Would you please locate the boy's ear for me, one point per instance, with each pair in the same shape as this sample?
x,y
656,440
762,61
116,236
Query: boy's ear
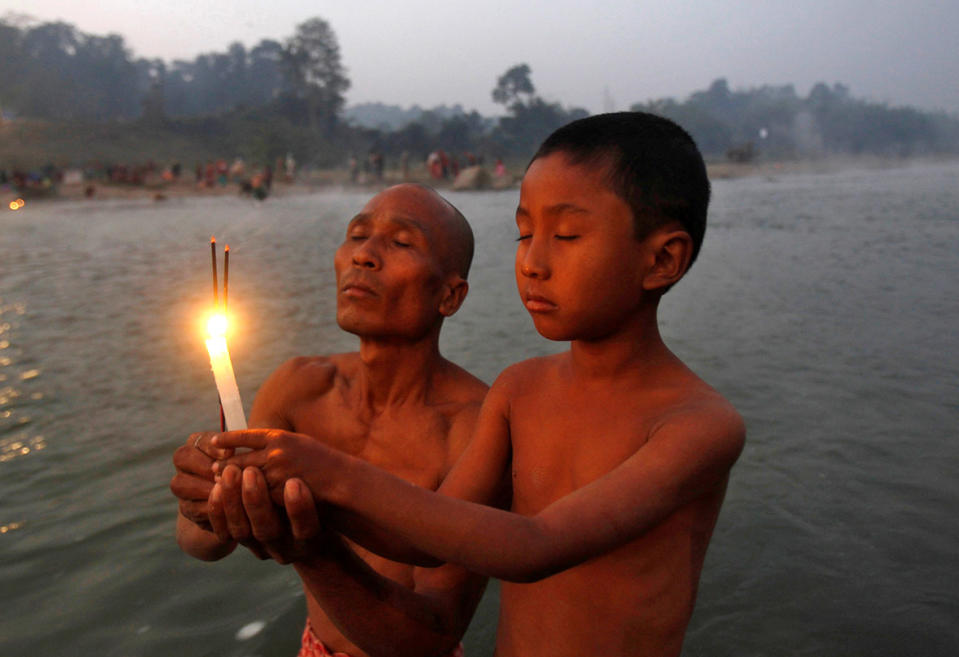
x,y
671,249
453,295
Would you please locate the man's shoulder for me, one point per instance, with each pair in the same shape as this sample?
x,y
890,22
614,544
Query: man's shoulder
x,y
459,386
307,376
308,368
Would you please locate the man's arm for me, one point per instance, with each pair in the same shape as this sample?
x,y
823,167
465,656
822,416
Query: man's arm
x,y
684,459
192,485
381,616
194,482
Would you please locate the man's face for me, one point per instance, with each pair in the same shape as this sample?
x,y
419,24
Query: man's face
x,y
389,279
578,264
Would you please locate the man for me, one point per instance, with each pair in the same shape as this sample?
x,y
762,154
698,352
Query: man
x,y
396,403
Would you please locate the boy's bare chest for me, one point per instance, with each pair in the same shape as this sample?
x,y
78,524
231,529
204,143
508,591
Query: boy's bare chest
x,y
561,442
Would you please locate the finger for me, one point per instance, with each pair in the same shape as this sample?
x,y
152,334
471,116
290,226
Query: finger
x,y
193,437
255,459
301,509
196,512
258,550
217,515
203,443
191,487
193,461
236,518
252,438
265,522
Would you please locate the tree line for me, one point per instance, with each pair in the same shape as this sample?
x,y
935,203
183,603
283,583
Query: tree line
x,y
289,96
776,121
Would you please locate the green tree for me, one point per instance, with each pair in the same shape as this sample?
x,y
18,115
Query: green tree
x,y
530,118
311,62
514,86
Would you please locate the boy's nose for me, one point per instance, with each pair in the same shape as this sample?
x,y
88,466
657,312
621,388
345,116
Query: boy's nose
x,y
533,265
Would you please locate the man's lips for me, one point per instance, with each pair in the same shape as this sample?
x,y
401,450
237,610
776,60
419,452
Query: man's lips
x,y
536,303
357,290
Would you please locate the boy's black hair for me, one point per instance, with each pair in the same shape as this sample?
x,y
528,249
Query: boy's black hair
x,y
651,163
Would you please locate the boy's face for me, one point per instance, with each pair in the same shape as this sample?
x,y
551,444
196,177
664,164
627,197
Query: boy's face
x,y
578,264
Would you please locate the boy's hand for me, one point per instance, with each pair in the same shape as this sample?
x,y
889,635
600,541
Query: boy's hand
x,y
194,479
280,455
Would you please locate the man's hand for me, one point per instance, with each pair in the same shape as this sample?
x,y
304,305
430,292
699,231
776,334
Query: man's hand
x,y
280,455
241,510
194,478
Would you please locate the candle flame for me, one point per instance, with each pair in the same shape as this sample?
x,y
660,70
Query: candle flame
x,y
217,325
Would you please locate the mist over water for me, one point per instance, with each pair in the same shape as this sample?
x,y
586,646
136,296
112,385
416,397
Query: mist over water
x,y
823,306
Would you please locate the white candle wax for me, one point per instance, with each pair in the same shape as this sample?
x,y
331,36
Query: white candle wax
x,y
226,383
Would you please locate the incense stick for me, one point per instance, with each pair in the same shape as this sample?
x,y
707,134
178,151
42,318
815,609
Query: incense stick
x,y
226,273
216,299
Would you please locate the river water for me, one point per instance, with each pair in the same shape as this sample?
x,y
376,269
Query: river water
x,y
825,307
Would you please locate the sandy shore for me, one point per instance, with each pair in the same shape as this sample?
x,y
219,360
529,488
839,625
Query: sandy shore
x,y
313,182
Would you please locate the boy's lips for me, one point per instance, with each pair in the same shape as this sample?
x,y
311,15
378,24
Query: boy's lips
x,y
538,304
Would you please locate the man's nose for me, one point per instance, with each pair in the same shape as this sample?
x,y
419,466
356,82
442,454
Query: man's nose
x,y
366,255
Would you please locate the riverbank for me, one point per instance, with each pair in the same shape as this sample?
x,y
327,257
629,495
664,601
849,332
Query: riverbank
x,y
309,182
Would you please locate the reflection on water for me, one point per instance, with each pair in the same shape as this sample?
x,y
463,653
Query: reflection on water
x,y
14,442
11,448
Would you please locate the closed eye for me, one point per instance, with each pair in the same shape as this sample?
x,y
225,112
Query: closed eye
x,y
566,238
523,237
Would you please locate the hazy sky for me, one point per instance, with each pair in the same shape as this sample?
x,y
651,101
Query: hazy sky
x,y
596,55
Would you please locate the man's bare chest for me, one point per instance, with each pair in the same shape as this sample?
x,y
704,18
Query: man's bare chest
x,y
411,444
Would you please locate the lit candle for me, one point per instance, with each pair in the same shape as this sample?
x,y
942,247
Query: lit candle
x,y
223,373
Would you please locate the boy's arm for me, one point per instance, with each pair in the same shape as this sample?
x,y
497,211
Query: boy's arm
x,y
685,458
481,474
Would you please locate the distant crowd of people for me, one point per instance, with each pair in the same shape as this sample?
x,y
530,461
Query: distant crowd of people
x,y
257,181
440,166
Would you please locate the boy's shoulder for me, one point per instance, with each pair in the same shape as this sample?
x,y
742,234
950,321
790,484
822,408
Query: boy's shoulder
x,y
673,402
531,368
692,411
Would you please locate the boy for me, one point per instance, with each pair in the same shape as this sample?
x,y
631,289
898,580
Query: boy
x,y
613,456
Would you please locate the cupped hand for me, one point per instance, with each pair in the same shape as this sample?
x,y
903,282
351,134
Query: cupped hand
x,y
241,510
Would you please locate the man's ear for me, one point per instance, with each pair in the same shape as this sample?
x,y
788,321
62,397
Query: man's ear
x,y
671,250
453,295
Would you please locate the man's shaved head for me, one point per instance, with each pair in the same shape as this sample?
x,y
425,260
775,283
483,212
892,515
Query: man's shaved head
x,y
450,234
403,265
